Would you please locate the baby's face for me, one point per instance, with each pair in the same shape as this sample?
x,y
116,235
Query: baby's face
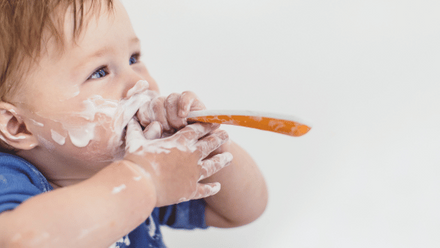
x,y
78,105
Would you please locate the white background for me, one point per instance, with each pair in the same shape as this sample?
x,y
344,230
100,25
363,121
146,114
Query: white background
x,y
364,72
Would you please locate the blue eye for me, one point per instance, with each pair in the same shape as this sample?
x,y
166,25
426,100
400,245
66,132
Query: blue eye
x,y
99,74
134,59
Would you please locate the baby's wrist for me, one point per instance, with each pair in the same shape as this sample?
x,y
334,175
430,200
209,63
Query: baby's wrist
x,y
142,176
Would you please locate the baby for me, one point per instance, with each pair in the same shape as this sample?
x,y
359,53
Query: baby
x,y
92,155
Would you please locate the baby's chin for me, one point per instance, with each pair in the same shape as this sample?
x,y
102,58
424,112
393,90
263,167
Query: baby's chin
x,y
105,147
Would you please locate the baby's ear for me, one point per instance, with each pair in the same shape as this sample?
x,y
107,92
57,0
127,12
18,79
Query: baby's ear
x,y
13,130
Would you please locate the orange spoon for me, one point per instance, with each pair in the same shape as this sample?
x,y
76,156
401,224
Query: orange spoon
x,y
283,124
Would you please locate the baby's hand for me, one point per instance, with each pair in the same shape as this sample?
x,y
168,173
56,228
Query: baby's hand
x,y
170,112
177,163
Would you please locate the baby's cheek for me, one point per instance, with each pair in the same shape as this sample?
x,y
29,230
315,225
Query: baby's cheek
x,y
108,140
98,151
92,138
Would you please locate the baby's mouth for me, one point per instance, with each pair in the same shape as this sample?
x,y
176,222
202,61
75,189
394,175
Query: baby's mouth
x,y
128,108
124,130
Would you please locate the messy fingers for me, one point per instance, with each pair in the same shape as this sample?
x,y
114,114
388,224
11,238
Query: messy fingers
x,y
214,164
153,131
211,142
189,102
196,131
154,110
160,115
133,137
205,190
144,115
171,106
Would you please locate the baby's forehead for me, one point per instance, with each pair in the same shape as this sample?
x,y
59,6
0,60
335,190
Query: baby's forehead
x,y
71,27
76,23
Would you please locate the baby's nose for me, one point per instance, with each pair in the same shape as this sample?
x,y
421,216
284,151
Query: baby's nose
x,y
139,87
134,83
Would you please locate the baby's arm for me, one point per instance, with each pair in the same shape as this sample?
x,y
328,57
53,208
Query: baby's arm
x,y
243,196
100,210
87,214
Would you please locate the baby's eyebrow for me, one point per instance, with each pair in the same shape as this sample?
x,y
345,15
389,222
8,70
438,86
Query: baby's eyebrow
x,y
101,52
85,59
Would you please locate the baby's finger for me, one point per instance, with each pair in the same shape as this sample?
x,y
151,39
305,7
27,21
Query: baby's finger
x,y
205,190
189,102
171,106
144,115
158,109
195,131
154,110
153,131
211,142
214,164
134,137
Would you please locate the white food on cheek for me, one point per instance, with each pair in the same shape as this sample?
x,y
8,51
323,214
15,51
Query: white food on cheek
x,y
97,104
61,140
36,123
81,136
101,120
119,114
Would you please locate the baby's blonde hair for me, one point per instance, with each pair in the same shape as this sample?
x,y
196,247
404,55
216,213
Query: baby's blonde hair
x,y
25,27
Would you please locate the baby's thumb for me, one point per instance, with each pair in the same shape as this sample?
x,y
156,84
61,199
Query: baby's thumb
x,y
153,131
134,137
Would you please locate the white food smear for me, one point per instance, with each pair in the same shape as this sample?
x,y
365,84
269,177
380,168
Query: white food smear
x,y
88,231
137,178
117,113
209,191
81,135
36,123
275,124
209,167
137,143
58,137
153,131
124,240
118,189
152,228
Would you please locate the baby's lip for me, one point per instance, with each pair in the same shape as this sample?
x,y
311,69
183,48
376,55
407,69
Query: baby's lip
x,y
124,130
128,115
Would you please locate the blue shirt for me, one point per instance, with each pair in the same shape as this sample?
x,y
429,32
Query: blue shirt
x,y
20,180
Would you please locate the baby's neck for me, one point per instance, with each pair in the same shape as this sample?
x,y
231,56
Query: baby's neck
x,y
63,183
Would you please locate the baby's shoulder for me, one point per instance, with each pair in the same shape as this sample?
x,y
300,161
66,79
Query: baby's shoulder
x,y
19,180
